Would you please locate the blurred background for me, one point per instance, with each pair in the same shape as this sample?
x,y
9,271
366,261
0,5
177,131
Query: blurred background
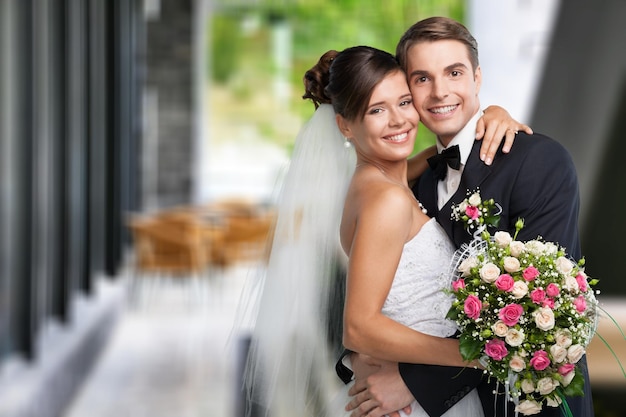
x,y
142,144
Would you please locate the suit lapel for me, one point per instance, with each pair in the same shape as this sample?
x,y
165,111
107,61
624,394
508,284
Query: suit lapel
x,y
474,174
475,171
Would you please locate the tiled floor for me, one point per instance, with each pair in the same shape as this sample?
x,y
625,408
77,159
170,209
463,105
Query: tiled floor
x,y
172,354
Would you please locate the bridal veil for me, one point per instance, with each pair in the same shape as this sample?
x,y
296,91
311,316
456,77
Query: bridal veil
x,y
289,369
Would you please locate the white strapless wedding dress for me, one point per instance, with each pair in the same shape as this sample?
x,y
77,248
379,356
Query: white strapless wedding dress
x,y
417,300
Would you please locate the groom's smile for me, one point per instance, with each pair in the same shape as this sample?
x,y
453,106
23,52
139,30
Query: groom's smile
x,y
444,110
444,86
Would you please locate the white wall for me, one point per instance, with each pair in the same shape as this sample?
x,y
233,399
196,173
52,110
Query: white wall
x,y
513,37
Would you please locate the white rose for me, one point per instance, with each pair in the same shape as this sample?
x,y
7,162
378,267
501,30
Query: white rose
x,y
474,199
571,285
462,207
503,239
517,248
564,265
514,337
558,353
575,352
517,364
511,264
528,407
546,385
567,379
489,272
499,328
544,318
534,246
550,248
467,264
553,401
520,289
528,386
563,337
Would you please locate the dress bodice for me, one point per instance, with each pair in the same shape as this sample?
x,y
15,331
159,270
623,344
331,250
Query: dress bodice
x,y
417,298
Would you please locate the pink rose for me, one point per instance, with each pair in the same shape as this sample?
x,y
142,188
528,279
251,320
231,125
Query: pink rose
x,y
537,295
457,285
548,302
580,304
552,290
582,282
510,314
472,307
530,273
540,360
566,369
496,349
472,212
505,282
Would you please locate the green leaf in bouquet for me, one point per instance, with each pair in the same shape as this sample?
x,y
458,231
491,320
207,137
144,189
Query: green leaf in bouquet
x,y
453,313
492,220
469,347
575,388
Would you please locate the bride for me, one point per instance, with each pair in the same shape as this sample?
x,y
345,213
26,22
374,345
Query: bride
x,y
361,215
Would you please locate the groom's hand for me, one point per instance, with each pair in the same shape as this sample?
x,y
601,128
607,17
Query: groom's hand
x,y
378,388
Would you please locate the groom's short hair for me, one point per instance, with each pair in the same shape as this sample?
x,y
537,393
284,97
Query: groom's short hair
x,y
436,29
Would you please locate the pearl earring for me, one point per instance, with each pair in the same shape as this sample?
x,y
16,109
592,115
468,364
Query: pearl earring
x,y
347,143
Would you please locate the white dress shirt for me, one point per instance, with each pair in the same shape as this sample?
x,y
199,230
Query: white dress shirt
x,y
465,139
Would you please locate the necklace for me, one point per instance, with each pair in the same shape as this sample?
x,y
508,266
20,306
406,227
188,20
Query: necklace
x,y
419,203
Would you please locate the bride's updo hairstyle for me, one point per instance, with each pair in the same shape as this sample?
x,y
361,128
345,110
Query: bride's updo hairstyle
x,y
316,79
347,79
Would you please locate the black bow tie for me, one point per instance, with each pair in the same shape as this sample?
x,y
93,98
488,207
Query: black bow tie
x,y
448,157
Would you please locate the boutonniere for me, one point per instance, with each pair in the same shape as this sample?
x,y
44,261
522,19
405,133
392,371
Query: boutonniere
x,y
475,213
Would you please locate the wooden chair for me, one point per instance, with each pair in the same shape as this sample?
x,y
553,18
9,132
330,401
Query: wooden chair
x,y
242,207
209,230
246,237
243,230
167,247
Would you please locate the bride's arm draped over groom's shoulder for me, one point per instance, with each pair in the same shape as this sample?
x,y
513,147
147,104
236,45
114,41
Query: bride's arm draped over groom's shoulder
x,y
493,127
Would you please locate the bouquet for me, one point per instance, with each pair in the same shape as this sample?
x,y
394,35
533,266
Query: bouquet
x,y
525,310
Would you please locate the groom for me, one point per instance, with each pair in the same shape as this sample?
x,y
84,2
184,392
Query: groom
x,y
536,181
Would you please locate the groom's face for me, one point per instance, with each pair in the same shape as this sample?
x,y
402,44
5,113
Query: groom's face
x,y
444,86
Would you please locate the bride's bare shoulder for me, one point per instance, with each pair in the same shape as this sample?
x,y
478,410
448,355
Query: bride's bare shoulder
x,y
375,195
372,208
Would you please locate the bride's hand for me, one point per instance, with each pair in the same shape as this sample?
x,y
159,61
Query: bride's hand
x,y
364,365
496,124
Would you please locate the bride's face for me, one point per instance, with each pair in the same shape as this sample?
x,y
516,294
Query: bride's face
x,y
387,131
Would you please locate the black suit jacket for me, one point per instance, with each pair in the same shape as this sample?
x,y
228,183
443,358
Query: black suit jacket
x,y
536,181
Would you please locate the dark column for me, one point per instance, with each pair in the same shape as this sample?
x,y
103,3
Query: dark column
x,y
581,103
169,79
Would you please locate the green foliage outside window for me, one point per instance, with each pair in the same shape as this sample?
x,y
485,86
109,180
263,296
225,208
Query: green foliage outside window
x,y
240,37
